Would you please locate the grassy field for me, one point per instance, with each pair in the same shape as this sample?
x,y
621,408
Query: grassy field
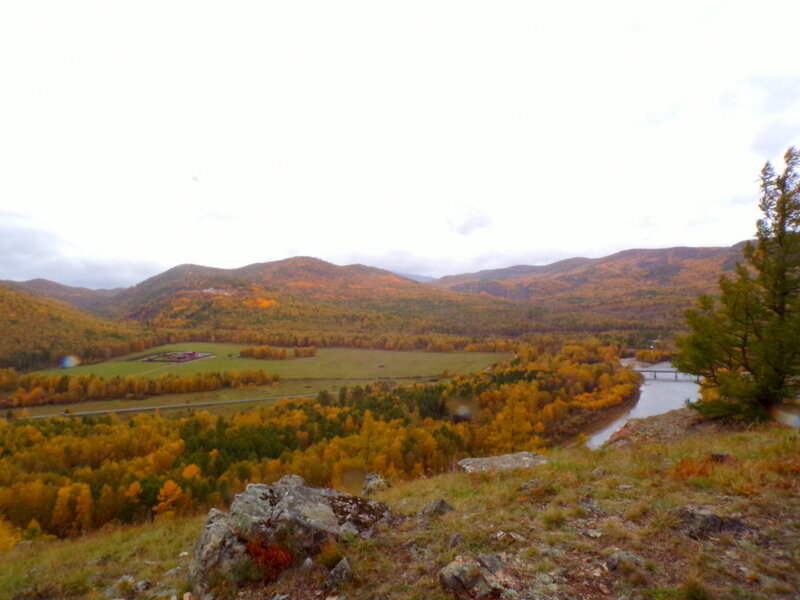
x,y
330,363
331,369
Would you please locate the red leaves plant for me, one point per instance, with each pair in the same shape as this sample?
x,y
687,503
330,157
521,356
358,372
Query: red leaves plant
x,y
272,559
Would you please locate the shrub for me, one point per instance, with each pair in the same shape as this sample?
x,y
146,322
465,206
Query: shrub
x,y
270,560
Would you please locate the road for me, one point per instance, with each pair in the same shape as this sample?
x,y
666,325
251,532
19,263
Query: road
x,y
167,406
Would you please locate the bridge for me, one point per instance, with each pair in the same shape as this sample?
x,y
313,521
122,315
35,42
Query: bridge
x,y
665,373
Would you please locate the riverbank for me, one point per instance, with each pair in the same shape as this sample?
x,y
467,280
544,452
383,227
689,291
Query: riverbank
x,y
678,424
656,396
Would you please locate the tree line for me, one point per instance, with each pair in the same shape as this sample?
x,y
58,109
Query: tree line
x,y
35,389
273,353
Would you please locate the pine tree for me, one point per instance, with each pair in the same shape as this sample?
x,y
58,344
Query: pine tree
x,y
746,344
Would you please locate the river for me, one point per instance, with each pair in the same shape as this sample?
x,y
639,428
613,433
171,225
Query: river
x,y
657,396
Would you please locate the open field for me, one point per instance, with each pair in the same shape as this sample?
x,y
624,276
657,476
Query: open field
x,y
331,369
330,363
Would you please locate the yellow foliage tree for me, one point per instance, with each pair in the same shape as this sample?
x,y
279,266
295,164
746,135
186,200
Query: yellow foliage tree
x,y
169,499
191,471
9,536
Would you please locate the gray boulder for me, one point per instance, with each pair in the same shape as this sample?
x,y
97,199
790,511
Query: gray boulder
x,y
374,483
505,462
469,578
621,559
341,573
288,513
435,508
702,524
218,555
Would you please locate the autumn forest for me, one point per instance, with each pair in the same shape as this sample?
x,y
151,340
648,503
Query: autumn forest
x,y
68,475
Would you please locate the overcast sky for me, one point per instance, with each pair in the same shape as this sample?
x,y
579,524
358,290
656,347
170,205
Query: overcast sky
x,y
428,137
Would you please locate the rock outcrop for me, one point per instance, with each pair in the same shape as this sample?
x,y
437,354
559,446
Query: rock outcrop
x,y
505,462
373,483
469,578
702,524
340,574
274,525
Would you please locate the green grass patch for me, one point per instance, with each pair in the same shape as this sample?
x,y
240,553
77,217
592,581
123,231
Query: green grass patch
x,y
329,363
86,567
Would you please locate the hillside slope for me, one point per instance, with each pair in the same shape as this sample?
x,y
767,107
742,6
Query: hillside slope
x,y
712,516
310,295
37,331
638,290
653,285
81,297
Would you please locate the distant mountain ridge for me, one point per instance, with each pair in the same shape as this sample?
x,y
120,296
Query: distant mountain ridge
x,y
305,294
280,271
297,271
313,275
650,285
515,272
629,289
641,258
417,278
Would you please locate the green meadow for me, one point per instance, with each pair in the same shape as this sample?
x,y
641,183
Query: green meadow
x,y
329,363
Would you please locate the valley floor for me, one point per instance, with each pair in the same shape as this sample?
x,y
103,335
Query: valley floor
x,y
329,370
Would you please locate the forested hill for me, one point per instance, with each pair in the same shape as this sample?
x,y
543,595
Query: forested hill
x,y
647,267
631,290
81,297
311,295
37,331
316,278
642,285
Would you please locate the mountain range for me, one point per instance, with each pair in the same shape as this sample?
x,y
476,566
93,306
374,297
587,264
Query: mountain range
x,y
633,290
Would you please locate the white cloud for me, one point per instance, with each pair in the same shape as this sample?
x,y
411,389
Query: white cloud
x,y
775,137
469,220
176,132
29,253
